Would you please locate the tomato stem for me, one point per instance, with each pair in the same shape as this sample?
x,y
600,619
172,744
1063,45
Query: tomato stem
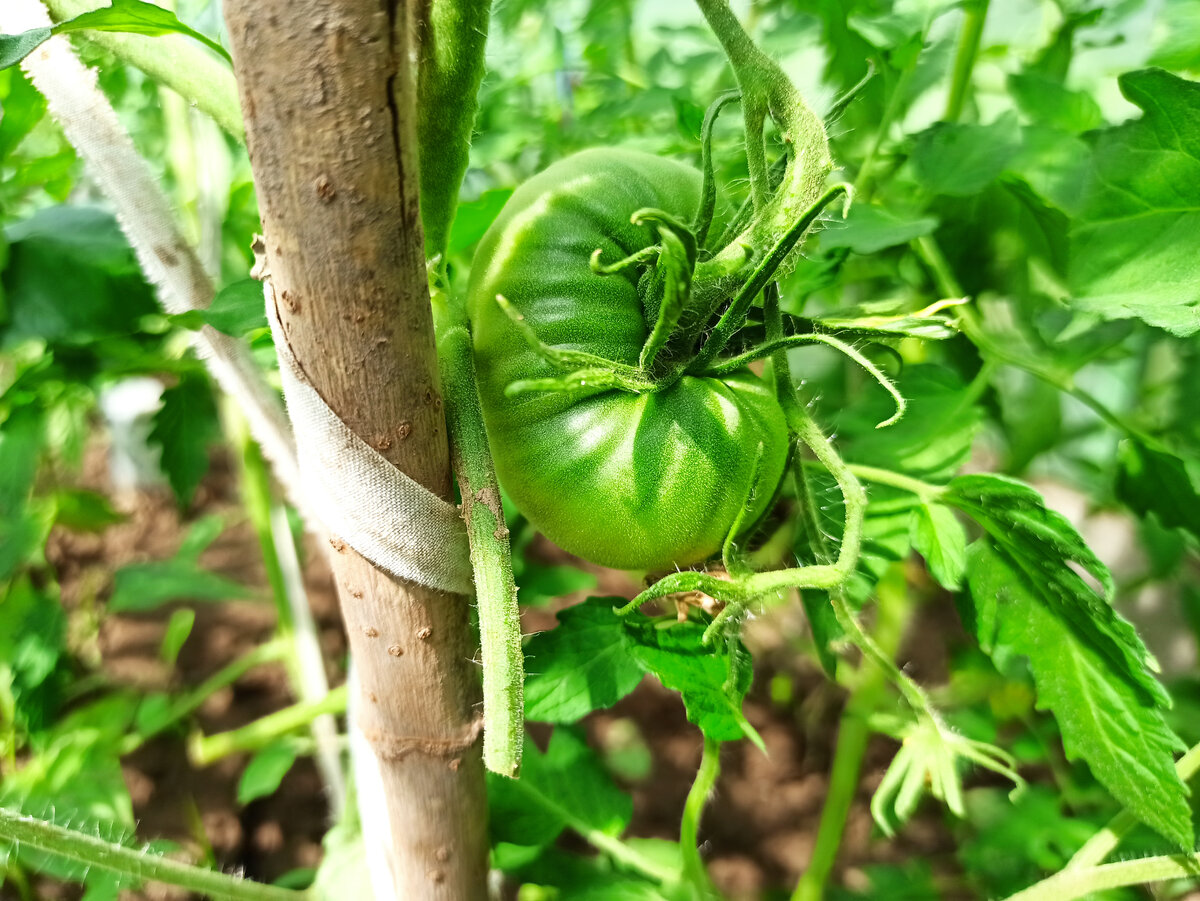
x,y
734,316
491,560
135,863
689,830
766,89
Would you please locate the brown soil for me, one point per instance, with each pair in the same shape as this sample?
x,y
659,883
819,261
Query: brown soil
x,y
758,829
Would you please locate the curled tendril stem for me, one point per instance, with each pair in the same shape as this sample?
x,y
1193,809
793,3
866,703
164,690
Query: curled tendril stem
x,y
708,186
730,364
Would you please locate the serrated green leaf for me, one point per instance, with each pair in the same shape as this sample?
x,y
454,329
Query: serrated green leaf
x,y
1154,481
22,106
265,771
1104,721
870,228
565,787
144,586
675,654
582,665
1135,205
33,631
1043,544
960,160
184,426
1050,102
940,538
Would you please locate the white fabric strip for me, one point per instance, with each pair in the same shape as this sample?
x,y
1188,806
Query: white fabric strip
x,y
395,522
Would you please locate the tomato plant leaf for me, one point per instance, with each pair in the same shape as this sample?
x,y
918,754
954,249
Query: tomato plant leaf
x,y
184,426
1104,721
564,787
265,771
960,160
675,654
1049,102
1135,202
1045,546
1154,481
940,538
870,228
23,106
15,47
237,310
81,510
72,278
144,586
932,440
582,665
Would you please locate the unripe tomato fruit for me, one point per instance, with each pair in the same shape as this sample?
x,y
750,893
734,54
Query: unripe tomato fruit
x,y
645,481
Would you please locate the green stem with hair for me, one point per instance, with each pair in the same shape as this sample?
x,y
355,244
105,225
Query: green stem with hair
x,y
135,863
867,694
451,68
491,558
694,870
1070,884
765,89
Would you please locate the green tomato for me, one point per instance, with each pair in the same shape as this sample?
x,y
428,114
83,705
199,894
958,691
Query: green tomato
x,y
646,481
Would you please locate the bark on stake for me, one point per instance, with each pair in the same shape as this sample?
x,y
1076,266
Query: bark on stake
x,y
327,91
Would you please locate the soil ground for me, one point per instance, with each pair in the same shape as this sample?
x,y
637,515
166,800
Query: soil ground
x,y
758,829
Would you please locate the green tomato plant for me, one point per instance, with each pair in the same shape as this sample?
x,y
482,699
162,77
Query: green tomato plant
x,y
629,346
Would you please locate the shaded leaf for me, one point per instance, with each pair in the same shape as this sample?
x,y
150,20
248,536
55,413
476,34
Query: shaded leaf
x,y
960,160
564,787
1049,102
184,426
870,228
932,440
236,310
15,47
1154,481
